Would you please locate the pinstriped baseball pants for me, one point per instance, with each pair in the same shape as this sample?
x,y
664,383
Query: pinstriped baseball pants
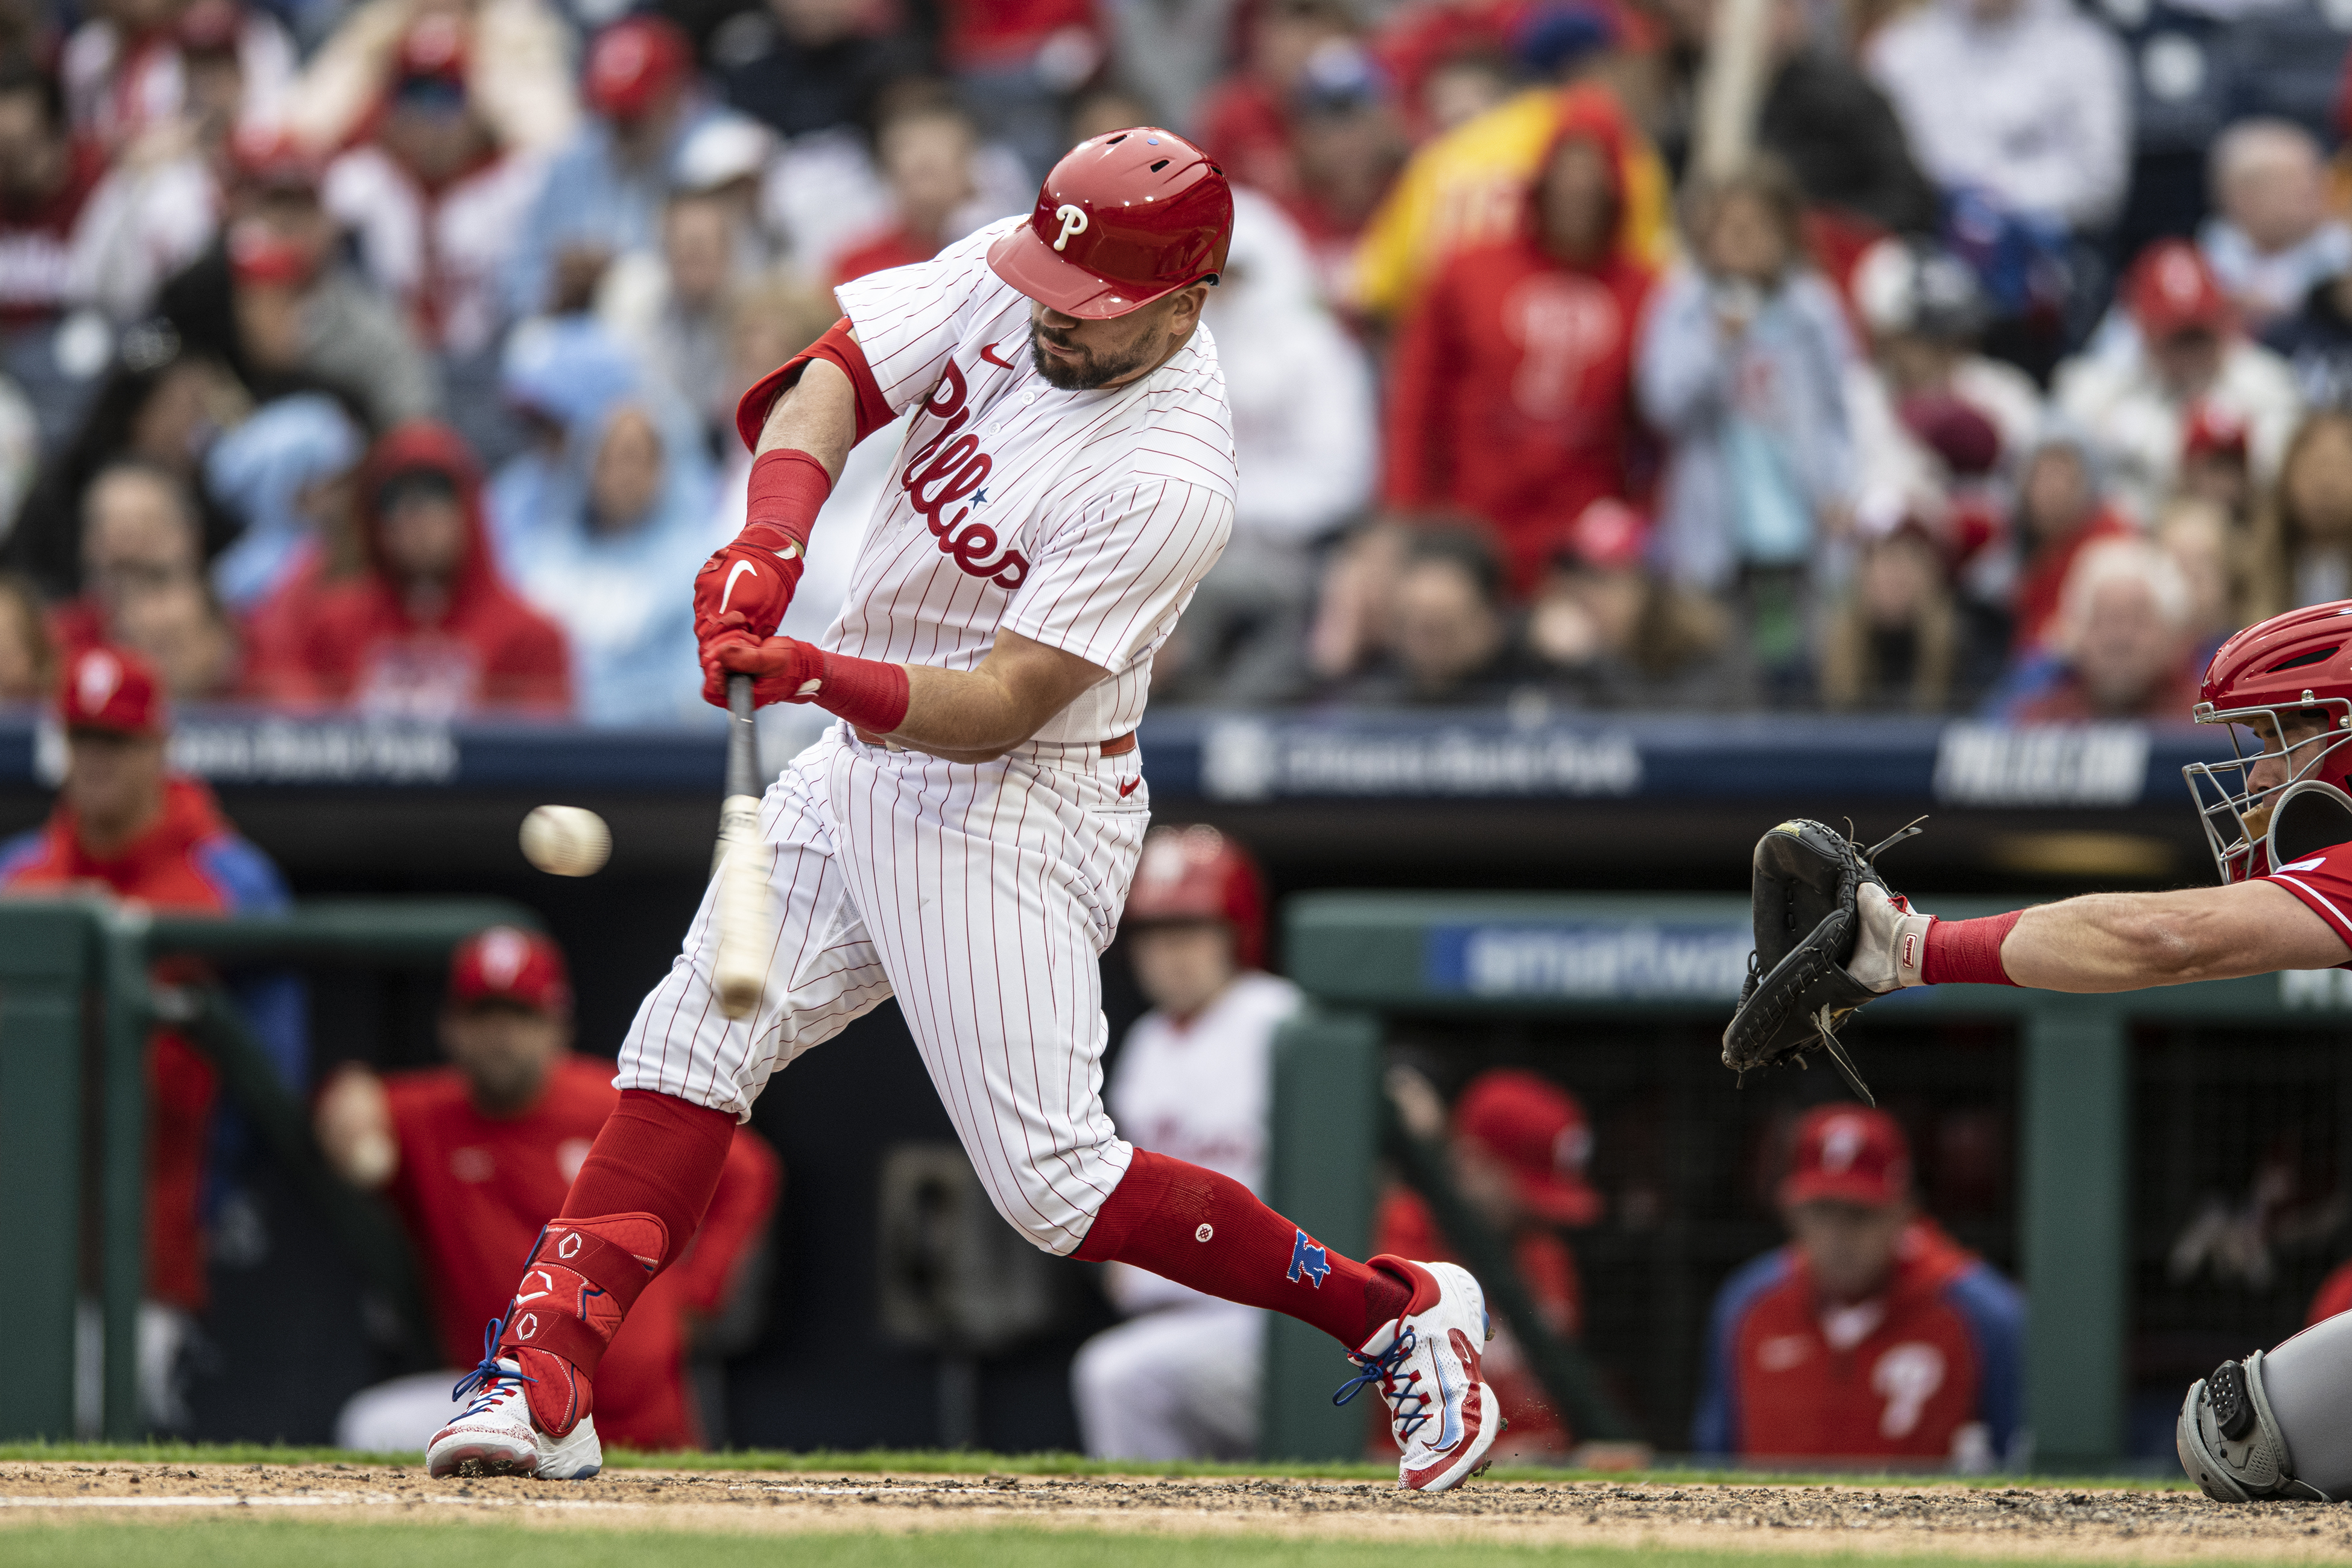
x,y
981,897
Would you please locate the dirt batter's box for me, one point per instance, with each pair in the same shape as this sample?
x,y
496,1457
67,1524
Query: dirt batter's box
x,y
2089,1099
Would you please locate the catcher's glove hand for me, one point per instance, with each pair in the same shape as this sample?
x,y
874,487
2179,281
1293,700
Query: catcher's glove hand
x,y
1819,897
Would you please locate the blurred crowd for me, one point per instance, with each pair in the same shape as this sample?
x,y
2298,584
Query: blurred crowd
x,y
382,354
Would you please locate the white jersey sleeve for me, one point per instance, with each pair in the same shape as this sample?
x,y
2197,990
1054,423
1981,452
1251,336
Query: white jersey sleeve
x,y
1110,583
909,320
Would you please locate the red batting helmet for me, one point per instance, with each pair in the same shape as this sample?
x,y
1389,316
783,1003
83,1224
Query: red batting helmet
x,y
2279,675
1199,874
1122,220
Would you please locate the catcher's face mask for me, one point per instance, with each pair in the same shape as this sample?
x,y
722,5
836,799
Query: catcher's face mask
x,y
2281,797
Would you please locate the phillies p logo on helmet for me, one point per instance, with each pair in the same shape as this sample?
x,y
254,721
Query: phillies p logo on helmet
x,y
1074,221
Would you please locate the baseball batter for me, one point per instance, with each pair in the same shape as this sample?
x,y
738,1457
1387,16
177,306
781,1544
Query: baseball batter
x,y
2279,821
965,838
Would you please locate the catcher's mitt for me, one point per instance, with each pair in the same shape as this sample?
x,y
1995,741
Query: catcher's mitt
x,y
1807,878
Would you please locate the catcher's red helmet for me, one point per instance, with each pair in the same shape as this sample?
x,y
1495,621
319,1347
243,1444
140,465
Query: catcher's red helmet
x,y
1199,874
2276,677
1123,220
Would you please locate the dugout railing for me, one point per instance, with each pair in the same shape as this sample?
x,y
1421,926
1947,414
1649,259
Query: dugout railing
x,y
77,1001
1622,998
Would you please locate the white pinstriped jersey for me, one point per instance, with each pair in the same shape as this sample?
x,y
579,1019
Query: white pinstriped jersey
x,y
1080,520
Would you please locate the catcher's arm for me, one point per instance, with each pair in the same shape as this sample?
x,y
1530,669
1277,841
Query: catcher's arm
x,y
2126,942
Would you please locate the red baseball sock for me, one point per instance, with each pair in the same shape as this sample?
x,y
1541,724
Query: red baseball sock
x,y
1202,1230
1967,951
657,1154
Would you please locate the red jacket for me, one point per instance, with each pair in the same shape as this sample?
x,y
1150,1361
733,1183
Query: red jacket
x,y
191,859
1941,1349
1510,394
475,1191
359,643
2039,586
1547,1268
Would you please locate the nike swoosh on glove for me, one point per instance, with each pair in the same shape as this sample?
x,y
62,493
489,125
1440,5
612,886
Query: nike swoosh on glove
x,y
746,588
782,669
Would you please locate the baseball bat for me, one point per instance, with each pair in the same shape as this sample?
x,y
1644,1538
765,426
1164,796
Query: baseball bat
x,y
741,972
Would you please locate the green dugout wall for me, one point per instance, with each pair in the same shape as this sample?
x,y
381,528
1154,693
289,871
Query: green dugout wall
x,y
1371,962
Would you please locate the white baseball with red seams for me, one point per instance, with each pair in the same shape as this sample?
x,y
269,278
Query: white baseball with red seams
x,y
981,895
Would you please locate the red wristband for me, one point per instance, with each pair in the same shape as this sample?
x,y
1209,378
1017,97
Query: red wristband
x,y
1967,951
869,692
788,487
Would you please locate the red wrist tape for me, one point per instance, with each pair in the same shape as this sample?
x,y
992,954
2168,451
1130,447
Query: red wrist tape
x,y
788,488
1967,951
869,692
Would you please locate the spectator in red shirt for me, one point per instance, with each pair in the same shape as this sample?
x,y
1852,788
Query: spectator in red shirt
x,y
429,629
1519,1145
47,177
477,1156
1872,1333
2061,512
927,157
2122,646
1510,395
1246,119
126,826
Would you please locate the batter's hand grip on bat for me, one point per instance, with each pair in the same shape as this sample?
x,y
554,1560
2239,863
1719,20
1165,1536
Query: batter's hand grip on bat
x,y
742,971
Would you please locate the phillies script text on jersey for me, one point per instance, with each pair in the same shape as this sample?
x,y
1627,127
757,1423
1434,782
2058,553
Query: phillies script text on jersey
x,y
943,472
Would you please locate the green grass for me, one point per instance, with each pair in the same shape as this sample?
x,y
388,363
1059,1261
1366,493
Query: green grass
x,y
240,1543
912,1461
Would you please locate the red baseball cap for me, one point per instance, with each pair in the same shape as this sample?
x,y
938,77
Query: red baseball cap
x,y
1607,536
112,688
2170,289
2213,432
506,963
1539,1130
1848,1153
433,48
634,61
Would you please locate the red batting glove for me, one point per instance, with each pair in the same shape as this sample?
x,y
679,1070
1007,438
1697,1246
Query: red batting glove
x,y
870,693
748,586
779,667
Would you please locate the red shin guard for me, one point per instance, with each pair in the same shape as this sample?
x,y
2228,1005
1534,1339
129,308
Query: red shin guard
x,y
637,1201
1199,1228
1967,951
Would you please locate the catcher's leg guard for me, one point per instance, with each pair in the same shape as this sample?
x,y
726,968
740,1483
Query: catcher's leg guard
x,y
2273,1425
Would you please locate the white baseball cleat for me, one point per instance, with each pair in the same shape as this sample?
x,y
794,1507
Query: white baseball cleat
x,y
1425,1364
496,1436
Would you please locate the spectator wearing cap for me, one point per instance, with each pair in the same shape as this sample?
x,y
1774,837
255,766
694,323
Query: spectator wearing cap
x,y
519,59
434,202
2273,239
2189,351
1609,632
125,68
478,1155
1518,1146
275,302
2026,103
1350,145
604,192
127,825
1179,1379
1511,390
1872,1333
430,629
1305,433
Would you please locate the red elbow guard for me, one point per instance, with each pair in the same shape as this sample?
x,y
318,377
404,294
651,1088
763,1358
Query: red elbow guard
x,y
838,345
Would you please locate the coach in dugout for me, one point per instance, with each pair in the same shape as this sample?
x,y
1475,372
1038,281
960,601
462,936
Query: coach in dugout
x,y
125,825
1872,1333
478,1155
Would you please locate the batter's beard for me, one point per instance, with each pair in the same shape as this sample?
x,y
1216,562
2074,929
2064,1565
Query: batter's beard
x,y
1088,372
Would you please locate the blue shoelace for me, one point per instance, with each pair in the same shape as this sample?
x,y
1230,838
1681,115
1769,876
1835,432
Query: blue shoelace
x,y
486,1382
1382,1370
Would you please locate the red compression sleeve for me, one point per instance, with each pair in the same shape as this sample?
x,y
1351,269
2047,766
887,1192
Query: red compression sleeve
x,y
838,345
869,692
656,1154
1967,951
788,488
1192,1226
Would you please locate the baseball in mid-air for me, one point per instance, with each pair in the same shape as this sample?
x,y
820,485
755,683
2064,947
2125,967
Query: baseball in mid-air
x,y
566,840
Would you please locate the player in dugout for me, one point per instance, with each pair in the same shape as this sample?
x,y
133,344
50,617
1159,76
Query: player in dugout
x,y
1179,1379
477,1156
126,825
1517,1147
1872,1333
2278,818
